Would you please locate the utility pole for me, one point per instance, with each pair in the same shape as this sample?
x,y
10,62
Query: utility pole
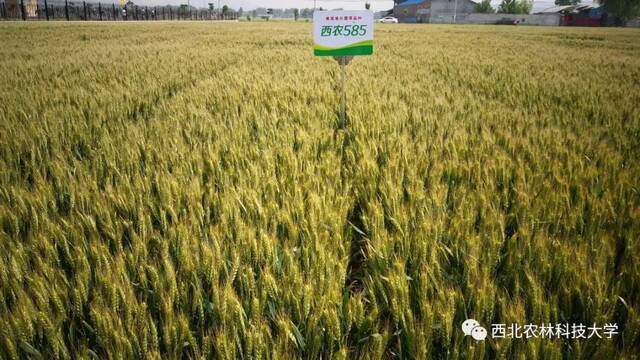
x,y
23,11
455,10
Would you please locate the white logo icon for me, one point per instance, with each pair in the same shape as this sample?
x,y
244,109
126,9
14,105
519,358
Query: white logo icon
x,y
473,328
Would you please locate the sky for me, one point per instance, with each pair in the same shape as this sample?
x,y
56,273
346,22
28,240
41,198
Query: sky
x,y
376,5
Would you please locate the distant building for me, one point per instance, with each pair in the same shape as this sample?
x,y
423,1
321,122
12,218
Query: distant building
x,y
433,11
579,14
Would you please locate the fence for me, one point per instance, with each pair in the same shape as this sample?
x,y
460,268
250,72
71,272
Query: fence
x,y
28,10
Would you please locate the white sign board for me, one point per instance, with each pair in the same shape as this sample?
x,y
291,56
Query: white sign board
x,y
343,33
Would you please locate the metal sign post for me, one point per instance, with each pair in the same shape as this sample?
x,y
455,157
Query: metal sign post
x,y
343,35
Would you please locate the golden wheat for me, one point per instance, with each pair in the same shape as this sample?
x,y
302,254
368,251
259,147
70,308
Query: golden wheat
x,y
174,190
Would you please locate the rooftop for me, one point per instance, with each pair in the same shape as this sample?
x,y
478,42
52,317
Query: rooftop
x,y
411,2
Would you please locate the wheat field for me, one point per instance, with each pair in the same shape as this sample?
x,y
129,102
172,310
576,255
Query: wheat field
x,y
188,190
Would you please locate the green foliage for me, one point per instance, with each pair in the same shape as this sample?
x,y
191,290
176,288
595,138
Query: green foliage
x,y
220,210
515,6
485,7
623,9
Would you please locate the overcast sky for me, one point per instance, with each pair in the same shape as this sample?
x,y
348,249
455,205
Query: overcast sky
x,y
376,5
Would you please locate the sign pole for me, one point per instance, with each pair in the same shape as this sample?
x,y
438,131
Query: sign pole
x,y
343,103
343,61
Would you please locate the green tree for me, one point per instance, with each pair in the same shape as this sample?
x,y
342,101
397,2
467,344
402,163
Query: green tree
x,y
485,7
296,14
622,9
225,9
525,6
507,7
367,6
515,6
